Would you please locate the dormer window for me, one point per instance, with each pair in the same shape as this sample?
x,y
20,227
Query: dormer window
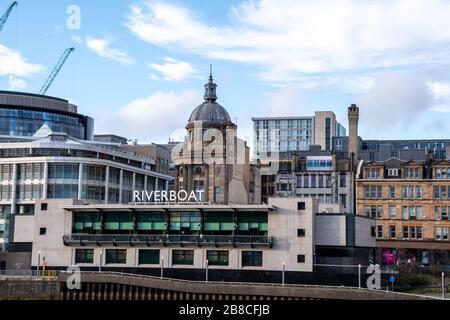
x,y
393,172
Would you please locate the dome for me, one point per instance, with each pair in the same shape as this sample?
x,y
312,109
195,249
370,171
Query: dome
x,y
211,112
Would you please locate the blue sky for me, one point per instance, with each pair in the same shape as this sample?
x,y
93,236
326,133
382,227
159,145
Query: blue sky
x,y
139,66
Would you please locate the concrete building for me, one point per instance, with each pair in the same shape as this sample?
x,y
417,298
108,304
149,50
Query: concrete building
x,y
52,165
281,134
411,202
22,114
316,172
112,138
242,241
213,161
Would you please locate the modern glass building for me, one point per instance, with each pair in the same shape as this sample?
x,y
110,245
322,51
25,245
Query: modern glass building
x,y
52,165
22,114
282,134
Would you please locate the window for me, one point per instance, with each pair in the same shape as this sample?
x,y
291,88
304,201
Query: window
x,y
301,206
300,258
379,231
373,212
419,212
373,192
366,192
405,214
300,233
392,192
437,233
444,233
419,232
42,231
404,193
380,212
436,192
444,213
412,232
392,212
405,233
342,180
380,192
216,194
372,231
84,256
418,192
392,232
252,258
217,257
118,256
411,192
367,211
43,206
343,198
183,257
148,256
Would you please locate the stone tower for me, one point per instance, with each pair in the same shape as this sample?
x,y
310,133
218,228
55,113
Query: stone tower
x,y
353,141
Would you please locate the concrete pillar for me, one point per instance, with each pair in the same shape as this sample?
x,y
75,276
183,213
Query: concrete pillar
x,y
45,185
167,185
156,183
13,189
134,181
106,184
145,182
120,185
80,180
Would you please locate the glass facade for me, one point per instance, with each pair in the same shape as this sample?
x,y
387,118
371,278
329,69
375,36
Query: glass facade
x,y
252,258
19,122
148,256
84,256
217,257
116,256
183,257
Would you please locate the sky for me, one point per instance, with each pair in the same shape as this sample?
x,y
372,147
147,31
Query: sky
x,y
139,66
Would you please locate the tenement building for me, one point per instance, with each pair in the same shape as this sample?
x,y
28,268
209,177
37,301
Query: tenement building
x,y
411,202
51,165
22,114
213,161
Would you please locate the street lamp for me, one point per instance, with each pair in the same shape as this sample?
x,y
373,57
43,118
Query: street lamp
x,y
100,261
162,267
443,285
359,275
38,262
206,270
283,267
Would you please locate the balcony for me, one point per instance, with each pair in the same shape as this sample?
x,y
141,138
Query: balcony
x,y
167,240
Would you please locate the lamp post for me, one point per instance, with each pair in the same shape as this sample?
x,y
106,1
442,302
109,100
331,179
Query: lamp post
x,y
38,263
283,267
162,267
359,275
100,261
443,285
206,280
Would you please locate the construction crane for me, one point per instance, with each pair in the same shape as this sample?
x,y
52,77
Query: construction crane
x,y
6,14
56,70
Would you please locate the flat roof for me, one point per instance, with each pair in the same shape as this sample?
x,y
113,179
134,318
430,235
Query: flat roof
x,y
167,207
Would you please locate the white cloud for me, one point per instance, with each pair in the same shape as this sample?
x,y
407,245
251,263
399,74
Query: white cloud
x,y
396,103
16,83
102,48
286,102
13,63
153,118
294,39
440,89
174,70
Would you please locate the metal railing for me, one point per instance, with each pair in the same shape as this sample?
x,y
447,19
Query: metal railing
x,y
30,273
258,284
160,239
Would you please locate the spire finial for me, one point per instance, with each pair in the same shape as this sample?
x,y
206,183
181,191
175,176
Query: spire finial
x,y
210,88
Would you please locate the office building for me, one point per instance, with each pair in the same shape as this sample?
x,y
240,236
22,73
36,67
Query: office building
x,y
52,165
281,134
22,114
